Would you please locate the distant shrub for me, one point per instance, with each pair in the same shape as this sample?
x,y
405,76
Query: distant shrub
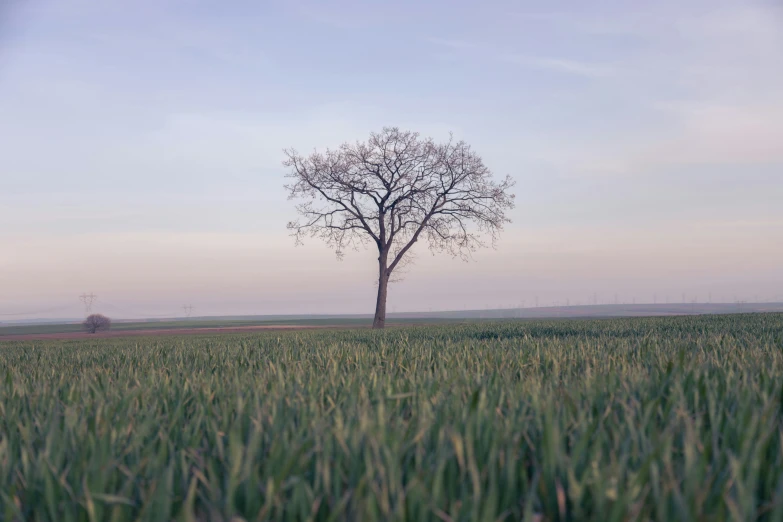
x,y
96,322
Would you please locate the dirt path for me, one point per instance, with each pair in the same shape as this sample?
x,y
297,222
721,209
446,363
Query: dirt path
x,y
160,331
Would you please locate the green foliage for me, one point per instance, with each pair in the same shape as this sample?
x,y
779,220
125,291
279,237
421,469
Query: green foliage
x,y
612,420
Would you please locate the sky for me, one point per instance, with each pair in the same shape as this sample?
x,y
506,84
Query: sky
x,y
141,148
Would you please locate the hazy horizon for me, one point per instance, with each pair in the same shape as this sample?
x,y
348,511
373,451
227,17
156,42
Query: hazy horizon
x,y
142,149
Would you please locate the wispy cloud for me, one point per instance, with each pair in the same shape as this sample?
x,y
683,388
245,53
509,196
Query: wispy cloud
x,y
621,23
695,134
703,78
489,52
714,133
330,14
454,44
557,64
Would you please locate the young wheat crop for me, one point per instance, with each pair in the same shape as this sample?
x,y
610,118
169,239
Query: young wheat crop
x,y
611,420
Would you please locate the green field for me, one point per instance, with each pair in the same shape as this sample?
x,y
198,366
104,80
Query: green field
x,y
609,420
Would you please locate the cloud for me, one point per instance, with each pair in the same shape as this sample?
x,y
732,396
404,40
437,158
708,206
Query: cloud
x,y
714,133
700,82
749,18
696,134
335,15
232,141
497,54
554,64
454,44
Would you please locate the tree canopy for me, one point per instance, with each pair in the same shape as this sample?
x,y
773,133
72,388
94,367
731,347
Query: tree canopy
x,y
393,190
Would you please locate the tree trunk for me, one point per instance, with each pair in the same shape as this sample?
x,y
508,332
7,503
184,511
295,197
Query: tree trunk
x,y
379,321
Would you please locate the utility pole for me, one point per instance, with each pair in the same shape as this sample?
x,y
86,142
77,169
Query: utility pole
x,y
87,300
188,310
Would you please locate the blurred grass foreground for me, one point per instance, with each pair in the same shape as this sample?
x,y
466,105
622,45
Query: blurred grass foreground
x,y
610,420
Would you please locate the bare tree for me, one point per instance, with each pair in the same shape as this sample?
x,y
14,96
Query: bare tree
x,y
96,322
393,190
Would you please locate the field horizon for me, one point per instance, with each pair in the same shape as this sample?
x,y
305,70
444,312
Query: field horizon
x,y
51,326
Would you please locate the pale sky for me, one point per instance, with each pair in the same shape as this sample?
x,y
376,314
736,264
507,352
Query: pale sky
x,y
141,147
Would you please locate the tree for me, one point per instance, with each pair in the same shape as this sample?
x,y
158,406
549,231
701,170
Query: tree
x,y
96,322
392,191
